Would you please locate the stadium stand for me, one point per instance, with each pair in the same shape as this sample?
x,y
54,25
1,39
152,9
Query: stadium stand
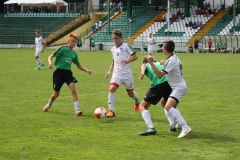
x,y
140,17
20,28
177,30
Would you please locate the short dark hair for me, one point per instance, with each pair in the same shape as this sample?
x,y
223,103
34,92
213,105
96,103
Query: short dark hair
x,y
169,45
144,60
117,32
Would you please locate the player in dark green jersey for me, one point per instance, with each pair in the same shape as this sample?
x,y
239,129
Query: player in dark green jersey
x,y
65,55
159,89
79,43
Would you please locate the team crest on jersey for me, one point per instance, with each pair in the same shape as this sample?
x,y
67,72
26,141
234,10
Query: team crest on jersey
x,y
121,49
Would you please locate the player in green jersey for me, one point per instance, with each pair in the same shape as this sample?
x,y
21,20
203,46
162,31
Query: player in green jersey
x,y
159,89
92,43
79,43
65,55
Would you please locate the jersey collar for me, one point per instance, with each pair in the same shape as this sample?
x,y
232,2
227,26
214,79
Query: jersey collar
x,y
119,45
170,56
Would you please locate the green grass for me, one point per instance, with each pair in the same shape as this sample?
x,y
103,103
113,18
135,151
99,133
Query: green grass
x,y
211,108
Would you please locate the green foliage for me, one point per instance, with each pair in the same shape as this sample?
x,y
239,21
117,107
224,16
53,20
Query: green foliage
x,y
211,108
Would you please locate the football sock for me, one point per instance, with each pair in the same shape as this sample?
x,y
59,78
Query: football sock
x,y
111,101
76,105
50,102
135,97
39,62
176,115
169,117
147,118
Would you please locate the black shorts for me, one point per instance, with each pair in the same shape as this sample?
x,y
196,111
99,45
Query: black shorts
x,y
79,45
155,93
61,76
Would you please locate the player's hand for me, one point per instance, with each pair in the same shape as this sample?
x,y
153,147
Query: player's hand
x,y
162,62
50,65
141,77
107,75
89,72
149,58
125,62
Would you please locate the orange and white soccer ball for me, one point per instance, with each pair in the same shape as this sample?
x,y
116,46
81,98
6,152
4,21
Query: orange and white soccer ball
x,y
100,112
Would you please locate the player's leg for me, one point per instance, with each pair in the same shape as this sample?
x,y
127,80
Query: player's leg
x,y
40,64
150,52
70,81
114,84
57,85
72,88
147,118
172,101
128,83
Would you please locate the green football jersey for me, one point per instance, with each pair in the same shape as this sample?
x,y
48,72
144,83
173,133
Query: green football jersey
x,y
79,42
92,42
64,57
219,46
152,76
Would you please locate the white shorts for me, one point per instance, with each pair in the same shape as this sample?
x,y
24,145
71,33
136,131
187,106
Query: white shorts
x,y
150,49
37,53
127,82
178,93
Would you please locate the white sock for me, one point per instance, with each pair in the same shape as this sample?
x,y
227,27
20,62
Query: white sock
x,y
39,62
111,101
169,117
50,102
147,118
135,97
76,105
177,115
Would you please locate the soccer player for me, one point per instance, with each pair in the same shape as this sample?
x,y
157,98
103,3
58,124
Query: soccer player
x,y
173,70
65,55
122,54
79,43
159,89
92,43
39,47
151,42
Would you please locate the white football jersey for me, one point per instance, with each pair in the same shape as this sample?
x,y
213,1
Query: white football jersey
x,y
39,43
123,52
150,40
173,69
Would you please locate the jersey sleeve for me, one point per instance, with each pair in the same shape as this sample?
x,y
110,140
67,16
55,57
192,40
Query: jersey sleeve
x,y
75,59
130,50
170,64
58,52
42,40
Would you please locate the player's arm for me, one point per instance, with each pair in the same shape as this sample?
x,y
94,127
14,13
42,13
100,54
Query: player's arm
x,y
110,70
43,46
159,74
143,69
131,59
33,46
50,65
83,69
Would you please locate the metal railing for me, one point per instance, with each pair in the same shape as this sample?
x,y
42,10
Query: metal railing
x,y
104,20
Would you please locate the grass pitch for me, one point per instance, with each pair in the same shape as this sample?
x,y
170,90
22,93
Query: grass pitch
x,y
211,108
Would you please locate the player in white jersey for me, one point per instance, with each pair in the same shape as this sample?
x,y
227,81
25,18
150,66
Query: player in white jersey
x,y
122,54
151,42
173,71
39,47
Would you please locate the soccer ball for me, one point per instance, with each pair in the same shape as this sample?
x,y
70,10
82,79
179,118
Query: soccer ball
x,y
100,112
